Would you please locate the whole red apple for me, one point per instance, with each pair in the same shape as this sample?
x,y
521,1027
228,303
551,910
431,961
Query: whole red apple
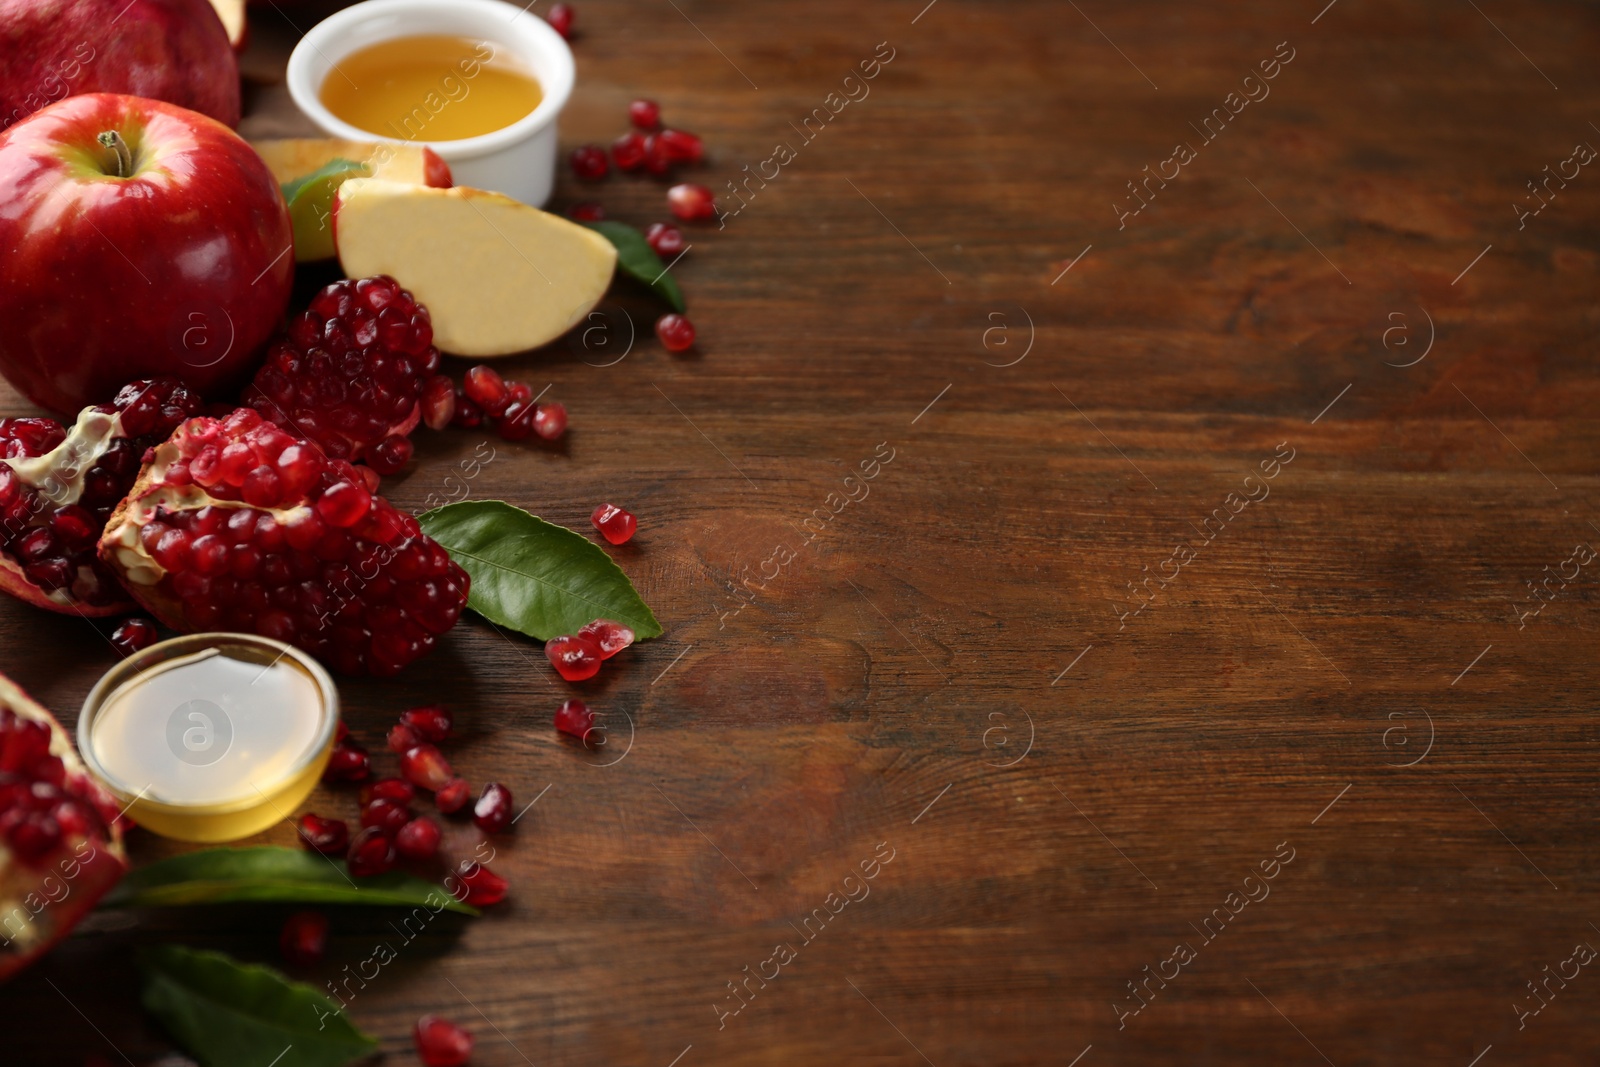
x,y
137,239
172,50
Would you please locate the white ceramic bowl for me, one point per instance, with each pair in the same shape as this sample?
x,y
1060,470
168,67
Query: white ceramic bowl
x,y
519,160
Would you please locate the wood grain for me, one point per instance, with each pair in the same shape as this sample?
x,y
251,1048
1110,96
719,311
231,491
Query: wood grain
x,y
1068,795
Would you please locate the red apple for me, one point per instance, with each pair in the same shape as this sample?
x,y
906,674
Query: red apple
x,y
172,50
139,239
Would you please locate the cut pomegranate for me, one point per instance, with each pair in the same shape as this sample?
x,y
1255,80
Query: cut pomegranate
x,y
589,162
682,146
433,721
331,837
304,939
586,212
452,796
609,637
614,524
492,813
60,845
425,767
134,635
312,558
371,852
440,1042
480,887
627,151
348,762
574,658
691,202
350,371
676,332
438,402
487,389
560,19
57,488
644,114
574,717
403,737
550,421
396,789
386,815
665,238
418,839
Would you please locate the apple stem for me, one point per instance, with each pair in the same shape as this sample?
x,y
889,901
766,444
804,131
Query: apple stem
x,y
113,140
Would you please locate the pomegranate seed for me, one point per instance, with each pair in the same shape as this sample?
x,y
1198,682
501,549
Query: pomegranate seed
x,y
627,151
574,658
518,422
614,524
134,635
586,212
492,813
676,332
481,887
304,938
560,19
390,455
327,836
396,789
665,238
341,732
691,202
403,738
440,1042
371,852
519,393
610,637
438,402
468,414
386,815
656,158
425,767
487,389
418,839
550,421
452,796
574,717
645,114
348,762
589,162
343,505
432,721
682,146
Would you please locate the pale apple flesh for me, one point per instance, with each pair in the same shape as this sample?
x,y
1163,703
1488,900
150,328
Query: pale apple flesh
x,y
498,276
231,12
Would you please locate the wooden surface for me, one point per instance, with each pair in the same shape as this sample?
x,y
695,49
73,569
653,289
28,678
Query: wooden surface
x,y
1340,675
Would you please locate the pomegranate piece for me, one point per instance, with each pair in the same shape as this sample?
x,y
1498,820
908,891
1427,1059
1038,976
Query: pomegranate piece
x,y
586,212
560,20
402,737
426,767
682,146
614,524
492,813
438,402
371,852
550,421
312,559
350,371
574,717
452,796
418,839
691,202
304,939
627,151
134,635
440,1042
58,488
610,637
574,658
479,886
487,389
396,789
348,762
665,238
589,162
60,843
433,721
331,837
644,114
676,332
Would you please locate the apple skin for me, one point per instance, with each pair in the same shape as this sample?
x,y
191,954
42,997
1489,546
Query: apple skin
x,y
183,268
171,50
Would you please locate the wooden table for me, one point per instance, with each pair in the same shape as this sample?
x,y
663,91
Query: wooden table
x,y
1322,407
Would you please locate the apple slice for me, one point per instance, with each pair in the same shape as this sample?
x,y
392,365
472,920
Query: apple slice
x,y
290,158
231,12
497,276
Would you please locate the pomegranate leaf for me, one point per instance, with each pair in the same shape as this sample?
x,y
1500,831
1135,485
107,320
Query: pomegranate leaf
x,y
269,873
230,1014
533,576
639,261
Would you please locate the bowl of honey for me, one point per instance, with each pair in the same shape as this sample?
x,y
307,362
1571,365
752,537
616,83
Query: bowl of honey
x,y
480,82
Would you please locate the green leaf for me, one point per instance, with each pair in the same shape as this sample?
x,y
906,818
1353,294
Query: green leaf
x,y
638,260
269,873
230,1014
310,202
532,576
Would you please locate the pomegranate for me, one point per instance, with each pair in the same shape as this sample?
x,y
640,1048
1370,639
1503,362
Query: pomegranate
x,y
433,721
235,525
645,114
440,1042
60,845
57,488
452,796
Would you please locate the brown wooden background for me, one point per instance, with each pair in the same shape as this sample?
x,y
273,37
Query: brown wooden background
x,y
884,686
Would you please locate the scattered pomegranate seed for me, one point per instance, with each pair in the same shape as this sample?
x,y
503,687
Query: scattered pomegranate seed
x,y
574,717
614,524
487,389
134,635
440,1042
550,421
560,19
518,422
589,162
340,732
390,456
492,813
645,114
665,238
452,796
610,637
574,658
468,414
418,839
426,767
438,401
676,332
682,146
657,160
304,938
433,721
396,789
627,151
519,392
386,815
371,852
481,887
691,202
586,212
328,836
403,737
348,762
